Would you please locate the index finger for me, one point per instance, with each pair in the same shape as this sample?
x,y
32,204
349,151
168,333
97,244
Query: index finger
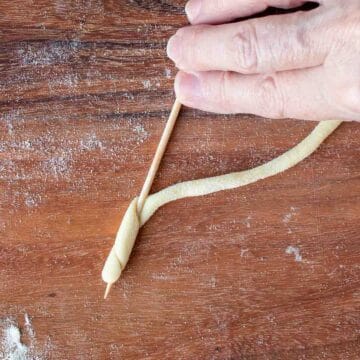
x,y
272,43
220,11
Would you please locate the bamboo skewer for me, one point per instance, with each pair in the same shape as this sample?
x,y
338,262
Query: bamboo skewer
x,y
155,165
107,290
158,155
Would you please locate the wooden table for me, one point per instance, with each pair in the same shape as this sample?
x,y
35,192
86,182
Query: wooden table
x,y
85,91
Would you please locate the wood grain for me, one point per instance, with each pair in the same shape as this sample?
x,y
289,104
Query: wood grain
x,y
85,91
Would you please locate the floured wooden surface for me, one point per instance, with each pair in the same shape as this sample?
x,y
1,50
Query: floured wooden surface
x,y
12,340
270,270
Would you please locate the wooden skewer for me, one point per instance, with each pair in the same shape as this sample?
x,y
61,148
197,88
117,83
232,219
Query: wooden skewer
x,y
107,290
158,155
155,165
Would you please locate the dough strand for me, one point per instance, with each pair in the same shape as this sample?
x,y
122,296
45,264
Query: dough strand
x,y
132,221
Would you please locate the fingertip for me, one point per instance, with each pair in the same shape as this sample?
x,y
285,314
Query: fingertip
x,y
192,10
177,84
187,86
172,48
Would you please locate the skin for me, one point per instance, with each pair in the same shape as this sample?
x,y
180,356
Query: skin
x,y
302,65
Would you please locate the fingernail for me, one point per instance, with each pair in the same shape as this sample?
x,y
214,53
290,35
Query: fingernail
x,y
174,48
192,9
187,86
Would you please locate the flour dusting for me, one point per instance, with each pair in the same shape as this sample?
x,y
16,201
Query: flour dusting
x,y
146,84
141,133
28,326
247,221
62,155
91,142
167,73
293,250
68,80
9,118
53,52
287,217
12,346
32,200
59,166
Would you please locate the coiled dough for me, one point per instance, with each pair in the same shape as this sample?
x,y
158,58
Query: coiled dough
x,y
132,221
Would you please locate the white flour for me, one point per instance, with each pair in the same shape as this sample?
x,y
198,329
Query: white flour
x,y
293,250
12,346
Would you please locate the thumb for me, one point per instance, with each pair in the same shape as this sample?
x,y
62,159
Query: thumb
x,y
298,94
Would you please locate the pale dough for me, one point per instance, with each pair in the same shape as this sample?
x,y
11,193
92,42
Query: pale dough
x,y
132,221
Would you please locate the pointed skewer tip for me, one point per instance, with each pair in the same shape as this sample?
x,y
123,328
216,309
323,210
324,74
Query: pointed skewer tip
x,y
107,290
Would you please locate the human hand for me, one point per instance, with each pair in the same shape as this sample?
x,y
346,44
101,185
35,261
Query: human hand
x,y
303,65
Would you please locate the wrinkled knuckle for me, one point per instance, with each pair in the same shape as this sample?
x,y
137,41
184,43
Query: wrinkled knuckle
x,y
271,101
244,48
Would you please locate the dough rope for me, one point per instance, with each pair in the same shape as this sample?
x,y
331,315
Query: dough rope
x,y
132,221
